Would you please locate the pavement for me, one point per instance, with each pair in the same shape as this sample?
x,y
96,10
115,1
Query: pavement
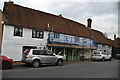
x,y
65,62
21,65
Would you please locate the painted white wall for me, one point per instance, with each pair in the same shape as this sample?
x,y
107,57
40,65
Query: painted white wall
x,y
12,45
106,47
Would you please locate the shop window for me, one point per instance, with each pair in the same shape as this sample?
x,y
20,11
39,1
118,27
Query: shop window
x,y
37,34
18,31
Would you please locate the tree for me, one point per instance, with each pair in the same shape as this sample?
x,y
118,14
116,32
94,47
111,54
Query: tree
x,y
105,34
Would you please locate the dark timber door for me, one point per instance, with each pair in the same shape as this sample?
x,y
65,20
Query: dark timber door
x,y
29,47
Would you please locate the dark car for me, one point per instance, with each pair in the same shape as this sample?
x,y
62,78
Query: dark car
x,y
117,56
6,62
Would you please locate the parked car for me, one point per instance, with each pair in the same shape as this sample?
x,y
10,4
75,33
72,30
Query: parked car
x,y
117,56
36,57
6,62
100,55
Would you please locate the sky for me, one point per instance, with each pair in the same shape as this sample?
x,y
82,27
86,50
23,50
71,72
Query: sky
x,y
104,13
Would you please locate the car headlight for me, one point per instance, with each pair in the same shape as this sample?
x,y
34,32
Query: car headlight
x,y
8,57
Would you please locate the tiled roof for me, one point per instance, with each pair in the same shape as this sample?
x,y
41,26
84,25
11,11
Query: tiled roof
x,y
23,16
117,41
100,38
111,42
26,17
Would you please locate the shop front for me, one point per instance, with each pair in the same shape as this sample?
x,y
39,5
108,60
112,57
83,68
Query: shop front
x,y
71,52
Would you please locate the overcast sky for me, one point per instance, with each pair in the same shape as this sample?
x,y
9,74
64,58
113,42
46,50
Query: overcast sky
x,y
104,14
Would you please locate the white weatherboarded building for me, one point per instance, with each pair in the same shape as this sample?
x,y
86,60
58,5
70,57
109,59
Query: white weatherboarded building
x,y
13,46
27,28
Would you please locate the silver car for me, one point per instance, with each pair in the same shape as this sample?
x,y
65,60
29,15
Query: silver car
x,y
36,57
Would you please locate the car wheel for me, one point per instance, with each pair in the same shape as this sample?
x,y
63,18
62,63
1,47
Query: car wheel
x,y
110,59
60,62
93,60
36,63
103,59
6,65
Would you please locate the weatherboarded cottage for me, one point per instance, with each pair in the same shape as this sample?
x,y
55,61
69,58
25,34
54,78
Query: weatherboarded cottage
x,y
26,28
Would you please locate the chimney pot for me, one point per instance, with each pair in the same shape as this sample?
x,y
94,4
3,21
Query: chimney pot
x,y
11,1
89,22
60,15
114,36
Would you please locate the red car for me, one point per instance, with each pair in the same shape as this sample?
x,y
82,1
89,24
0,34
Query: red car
x,y
6,62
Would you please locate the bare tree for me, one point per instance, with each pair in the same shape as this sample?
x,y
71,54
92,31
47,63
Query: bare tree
x,y
105,34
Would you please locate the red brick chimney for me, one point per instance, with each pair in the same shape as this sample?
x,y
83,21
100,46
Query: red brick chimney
x,y
89,22
114,36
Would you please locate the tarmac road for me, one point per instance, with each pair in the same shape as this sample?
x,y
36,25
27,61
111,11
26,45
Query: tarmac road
x,y
87,69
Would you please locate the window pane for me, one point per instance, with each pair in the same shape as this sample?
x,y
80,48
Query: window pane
x,y
16,32
34,33
38,34
50,53
41,34
16,29
35,52
20,32
44,53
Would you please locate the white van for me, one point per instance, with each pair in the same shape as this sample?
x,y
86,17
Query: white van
x,y
101,55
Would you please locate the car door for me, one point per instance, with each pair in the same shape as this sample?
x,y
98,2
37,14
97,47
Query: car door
x,y
44,56
105,55
108,55
37,55
51,58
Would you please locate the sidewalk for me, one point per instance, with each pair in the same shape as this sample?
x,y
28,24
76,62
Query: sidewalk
x,y
65,62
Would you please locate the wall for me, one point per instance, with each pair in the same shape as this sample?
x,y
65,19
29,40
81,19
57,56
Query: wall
x,y
12,45
105,47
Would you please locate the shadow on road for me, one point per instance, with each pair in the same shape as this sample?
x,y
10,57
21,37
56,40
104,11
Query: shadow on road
x,y
26,66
